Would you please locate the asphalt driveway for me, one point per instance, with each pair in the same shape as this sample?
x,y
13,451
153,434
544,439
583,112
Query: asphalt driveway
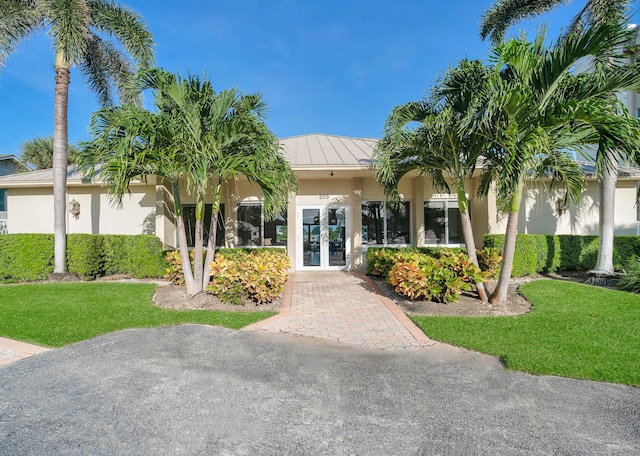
x,y
203,390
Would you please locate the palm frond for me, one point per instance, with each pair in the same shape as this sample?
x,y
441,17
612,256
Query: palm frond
x,y
504,13
128,27
19,19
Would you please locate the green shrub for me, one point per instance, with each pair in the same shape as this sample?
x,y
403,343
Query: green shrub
x,y
145,256
115,253
630,281
537,253
257,274
440,279
25,257
84,255
29,257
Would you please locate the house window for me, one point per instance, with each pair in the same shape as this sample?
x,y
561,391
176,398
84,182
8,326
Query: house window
x,y
385,223
252,230
442,222
189,215
3,200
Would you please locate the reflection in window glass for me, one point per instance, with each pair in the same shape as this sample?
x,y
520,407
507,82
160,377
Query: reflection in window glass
x,y
386,223
189,215
398,224
442,223
454,223
254,231
275,231
249,225
373,222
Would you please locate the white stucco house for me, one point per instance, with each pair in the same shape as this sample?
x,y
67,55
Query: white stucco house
x,y
338,212
9,164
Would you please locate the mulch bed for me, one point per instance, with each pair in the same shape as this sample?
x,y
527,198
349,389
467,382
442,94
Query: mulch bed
x,y
175,297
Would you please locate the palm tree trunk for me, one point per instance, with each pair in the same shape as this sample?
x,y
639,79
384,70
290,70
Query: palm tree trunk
x,y
604,266
499,295
182,239
60,145
197,249
467,234
213,231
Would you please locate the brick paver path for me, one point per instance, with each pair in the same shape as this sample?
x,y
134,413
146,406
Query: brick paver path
x,y
343,307
12,350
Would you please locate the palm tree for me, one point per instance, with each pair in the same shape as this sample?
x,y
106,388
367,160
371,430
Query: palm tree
x,y
38,153
198,136
495,22
535,111
437,147
79,31
504,13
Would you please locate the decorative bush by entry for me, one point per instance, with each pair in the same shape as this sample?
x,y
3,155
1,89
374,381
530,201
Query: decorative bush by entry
x,y
259,275
551,253
381,260
29,257
438,279
440,276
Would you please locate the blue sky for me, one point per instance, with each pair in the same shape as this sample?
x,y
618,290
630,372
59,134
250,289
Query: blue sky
x,y
324,66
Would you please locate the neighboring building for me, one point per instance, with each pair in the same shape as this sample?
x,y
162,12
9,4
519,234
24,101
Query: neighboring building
x,y
9,164
338,212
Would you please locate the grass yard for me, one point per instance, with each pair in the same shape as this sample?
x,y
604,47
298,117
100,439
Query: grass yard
x,y
574,330
57,314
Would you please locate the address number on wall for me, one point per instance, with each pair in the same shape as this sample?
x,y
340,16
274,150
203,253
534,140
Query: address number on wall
x,y
324,197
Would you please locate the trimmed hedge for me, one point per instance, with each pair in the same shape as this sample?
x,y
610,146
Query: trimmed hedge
x,y
29,257
550,253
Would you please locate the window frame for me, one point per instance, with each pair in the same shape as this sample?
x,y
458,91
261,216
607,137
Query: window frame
x,y
446,202
263,223
385,228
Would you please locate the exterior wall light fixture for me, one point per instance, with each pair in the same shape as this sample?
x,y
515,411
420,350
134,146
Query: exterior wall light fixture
x,y
74,208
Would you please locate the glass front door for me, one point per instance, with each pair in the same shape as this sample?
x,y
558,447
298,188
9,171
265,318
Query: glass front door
x,y
323,238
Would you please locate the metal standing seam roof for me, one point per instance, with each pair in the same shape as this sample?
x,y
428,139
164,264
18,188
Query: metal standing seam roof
x,y
316,151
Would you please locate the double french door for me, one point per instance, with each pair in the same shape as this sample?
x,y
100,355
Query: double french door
x,y
323,234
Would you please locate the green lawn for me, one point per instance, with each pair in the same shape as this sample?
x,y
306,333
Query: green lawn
x,y
57,314
574,330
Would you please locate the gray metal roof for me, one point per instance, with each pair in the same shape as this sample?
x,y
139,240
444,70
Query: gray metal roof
x,y
316,151
589,169
40,177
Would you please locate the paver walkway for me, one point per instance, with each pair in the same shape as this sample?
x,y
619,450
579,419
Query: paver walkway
x,y
336,306
12,350
343,307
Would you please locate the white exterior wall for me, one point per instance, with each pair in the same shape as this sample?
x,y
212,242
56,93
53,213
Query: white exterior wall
x,y
31,211
539,212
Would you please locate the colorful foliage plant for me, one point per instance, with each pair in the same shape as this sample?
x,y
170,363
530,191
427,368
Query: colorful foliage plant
x,y
259,276
441,279
238,275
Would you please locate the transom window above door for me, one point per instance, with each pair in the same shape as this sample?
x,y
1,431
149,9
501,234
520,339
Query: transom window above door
x,y
385,223
252,230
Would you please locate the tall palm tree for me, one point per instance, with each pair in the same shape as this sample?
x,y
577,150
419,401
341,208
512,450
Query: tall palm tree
x,y
80,31
38,152
197,136
535,111
437,147
495,22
